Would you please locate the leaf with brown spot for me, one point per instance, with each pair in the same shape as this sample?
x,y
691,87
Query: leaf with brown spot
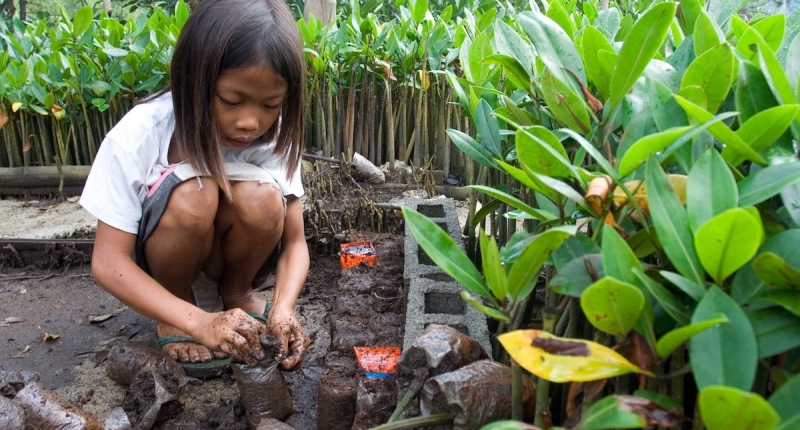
x,y
641,354
650,411
560,347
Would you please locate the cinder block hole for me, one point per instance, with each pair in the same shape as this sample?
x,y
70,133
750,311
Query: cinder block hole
x,y
444,303
439,277
460,327
431,211
423,258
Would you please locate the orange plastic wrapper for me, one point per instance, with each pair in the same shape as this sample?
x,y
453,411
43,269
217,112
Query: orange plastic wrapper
x,y
354,253
378,361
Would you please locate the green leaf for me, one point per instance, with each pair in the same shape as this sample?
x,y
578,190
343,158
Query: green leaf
x,y
691,288
554,47
713,72
784,399
787,299
115,52
727,408
81,22
612,306
564,103
720,130
418,10
710,352
608,22
665,298
707,34
776,272
531,151
593,43
639,47
512,69
533,184
723,10
493,270
793,63
776,330
767,182
675,338
727,241
772,29
618,258
773,71
710,189
672,223
530,262
488,129
559,15
763,129
438,244
508,425
752,92
651,144
607,414
511,200
690,13
577,275
576,246
472,148
509,42
486,310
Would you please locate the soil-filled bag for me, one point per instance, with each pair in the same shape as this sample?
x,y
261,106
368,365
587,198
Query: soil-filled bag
x,y
273,424
117,419
439,349
336,401
475,395
126,359
263,388
12,381
44,410
375,402
12,416
151,399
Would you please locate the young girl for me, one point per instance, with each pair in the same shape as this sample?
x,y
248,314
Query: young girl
x,y
195,187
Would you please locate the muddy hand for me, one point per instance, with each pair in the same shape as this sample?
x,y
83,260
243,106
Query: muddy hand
x,y
293,338
234,333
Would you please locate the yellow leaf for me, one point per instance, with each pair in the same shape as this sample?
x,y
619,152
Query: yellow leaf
x,y
564,360
15,106
47,337
58,112
424,79
678,183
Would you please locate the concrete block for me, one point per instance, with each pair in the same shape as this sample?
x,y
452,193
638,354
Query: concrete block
x,y
443,212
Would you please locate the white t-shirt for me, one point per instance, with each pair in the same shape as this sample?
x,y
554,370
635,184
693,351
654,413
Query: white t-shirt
x,y
134,155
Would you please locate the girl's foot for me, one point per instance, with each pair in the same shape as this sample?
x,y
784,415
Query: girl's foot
x,y
250,302
183,352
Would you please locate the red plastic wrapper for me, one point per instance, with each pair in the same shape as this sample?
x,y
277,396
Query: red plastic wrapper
x,y
378,361
354,253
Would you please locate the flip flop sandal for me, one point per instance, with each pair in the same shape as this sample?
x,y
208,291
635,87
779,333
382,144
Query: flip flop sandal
x,y
209,369
264,316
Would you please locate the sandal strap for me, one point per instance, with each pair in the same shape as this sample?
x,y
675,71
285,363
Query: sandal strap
x,y
174,339
263,317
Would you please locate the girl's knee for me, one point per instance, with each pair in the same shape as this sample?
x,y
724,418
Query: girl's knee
x,y
191,206
260,207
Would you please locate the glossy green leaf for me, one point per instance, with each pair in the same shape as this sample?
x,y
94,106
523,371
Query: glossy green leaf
x,y
772,29
531,150
648,145
577,275
691,288
512,69
677,337
486,310
563,189
593,42
554,47
639,47
559,15
672,306
509,42
707,34
720,130
727,241
511,200
509,425
695,94
790,195
530,262
611,413
713,72
728,408
488,129
618,258
670,219
564,103
787,299
763,129
784,399
472,148
793,64
438,244
690,12
612,306
82,21
776,329
767,182
776,272
535,185
723,10
493,270
710,351
608,23
773,71
752,92
710,189
576,246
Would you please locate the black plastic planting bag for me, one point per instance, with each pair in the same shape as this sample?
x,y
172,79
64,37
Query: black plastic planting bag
x,y
44,410
151,399
375,402
126,359
263,388
475,395
12,416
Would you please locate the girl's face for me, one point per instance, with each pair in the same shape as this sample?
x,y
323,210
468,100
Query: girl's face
x,y
247,103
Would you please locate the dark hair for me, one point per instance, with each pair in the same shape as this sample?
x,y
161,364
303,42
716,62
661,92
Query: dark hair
x,y
222,35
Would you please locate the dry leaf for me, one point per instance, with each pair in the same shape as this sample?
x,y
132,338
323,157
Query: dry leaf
x,y
99,318
74,199
47,337
46,208
3,119
24,351
10,320
27,145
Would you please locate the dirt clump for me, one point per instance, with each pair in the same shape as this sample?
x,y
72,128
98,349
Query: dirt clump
x,y
126,359
152,399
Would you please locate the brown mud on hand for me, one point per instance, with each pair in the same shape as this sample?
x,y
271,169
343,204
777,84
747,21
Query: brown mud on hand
x,y
126,360
151,399
262,387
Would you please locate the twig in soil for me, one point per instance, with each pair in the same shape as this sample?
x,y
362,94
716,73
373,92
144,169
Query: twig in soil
x,y
26,277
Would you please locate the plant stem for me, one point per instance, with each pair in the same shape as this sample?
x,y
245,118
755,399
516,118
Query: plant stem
x,y
401,406
549,315
517,408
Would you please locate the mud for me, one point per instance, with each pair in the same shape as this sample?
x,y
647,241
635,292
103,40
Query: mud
x,y
263,388
126,359
152,399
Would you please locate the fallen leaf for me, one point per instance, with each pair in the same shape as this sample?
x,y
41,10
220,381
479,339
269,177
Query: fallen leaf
x,y
46,208
129,331
99,318
24,351
73,199
101,356
47,337
11,320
